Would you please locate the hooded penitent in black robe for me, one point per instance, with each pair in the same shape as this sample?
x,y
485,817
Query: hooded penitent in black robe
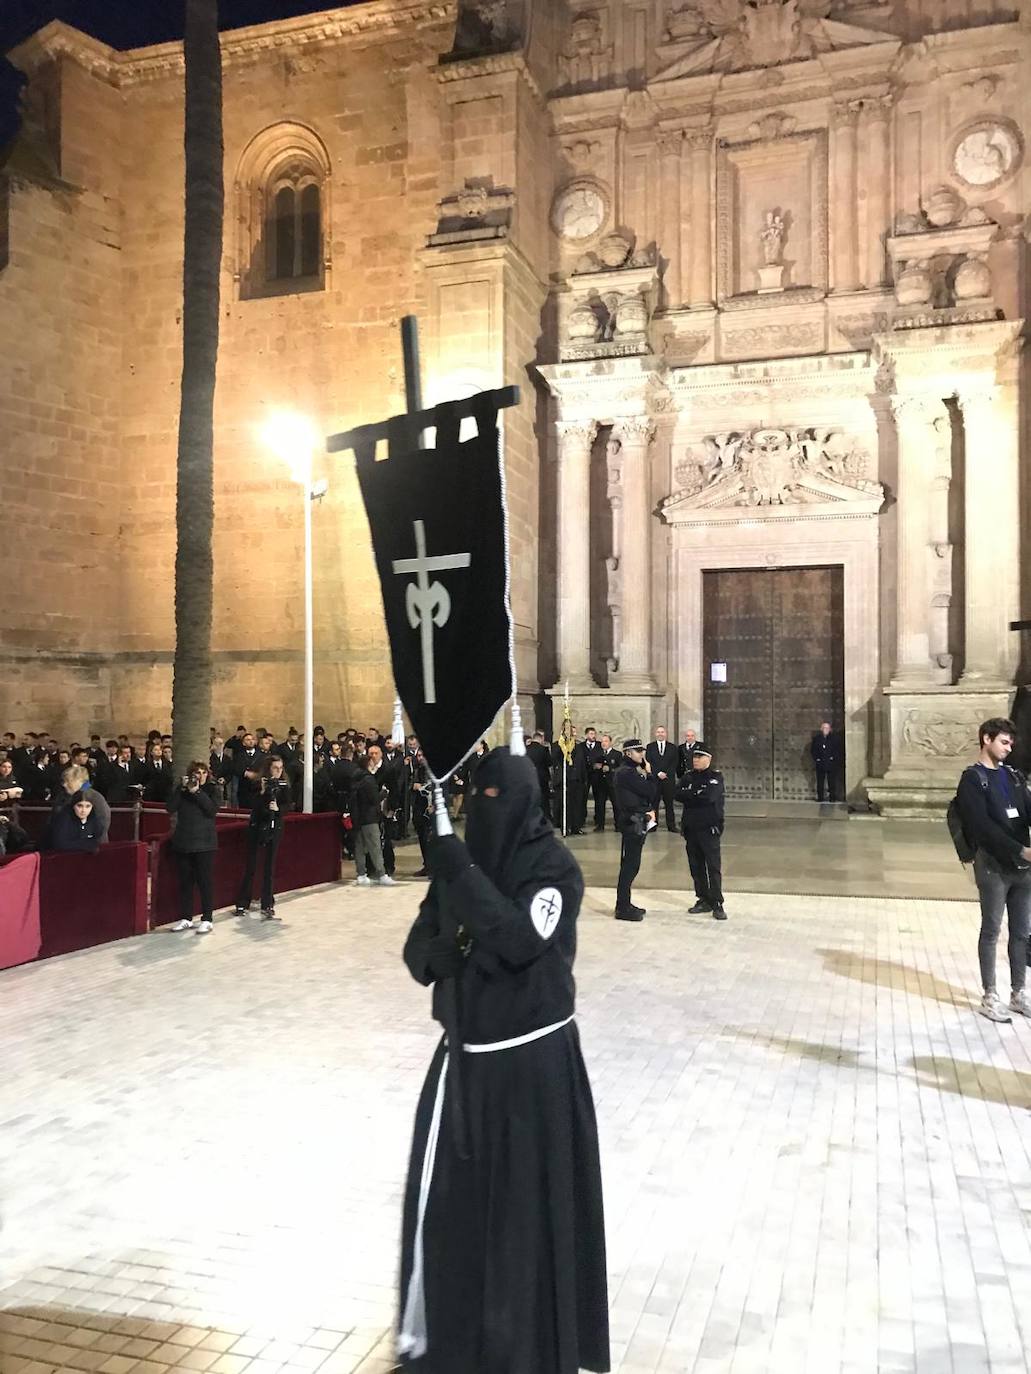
x,y
503,1262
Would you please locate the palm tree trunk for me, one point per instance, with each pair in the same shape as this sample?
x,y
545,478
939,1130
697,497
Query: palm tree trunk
x,y
194,501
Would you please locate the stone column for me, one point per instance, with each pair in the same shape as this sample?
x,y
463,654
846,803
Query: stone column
x,y
916,418
844,119
875,173
635,562
991,533
575,439
671,143
699,147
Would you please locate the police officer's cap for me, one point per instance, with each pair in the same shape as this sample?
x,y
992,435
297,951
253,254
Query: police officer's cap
x,y
699,748
632,744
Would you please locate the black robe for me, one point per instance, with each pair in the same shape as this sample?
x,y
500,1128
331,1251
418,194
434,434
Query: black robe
x,y
506,1274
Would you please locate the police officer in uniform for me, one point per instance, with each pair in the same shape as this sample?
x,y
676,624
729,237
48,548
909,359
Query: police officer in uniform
x,y
636,793
701,792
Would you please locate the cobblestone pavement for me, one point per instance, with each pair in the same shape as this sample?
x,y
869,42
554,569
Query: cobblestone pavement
x,y
815,1152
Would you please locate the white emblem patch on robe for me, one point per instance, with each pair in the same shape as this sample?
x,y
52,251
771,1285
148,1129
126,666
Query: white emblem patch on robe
x,y
545,909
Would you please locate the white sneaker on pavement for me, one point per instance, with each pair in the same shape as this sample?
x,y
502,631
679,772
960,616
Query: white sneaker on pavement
x,y
363,880
388,881
183,925
991,1006
1021,1003
205,927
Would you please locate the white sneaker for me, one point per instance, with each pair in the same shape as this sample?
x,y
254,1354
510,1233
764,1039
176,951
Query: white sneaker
x,y
363,880
993,1009
205,928
388,881
184,925
1021,1003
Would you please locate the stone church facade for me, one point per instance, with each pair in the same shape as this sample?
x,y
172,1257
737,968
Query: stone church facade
x,y
758,266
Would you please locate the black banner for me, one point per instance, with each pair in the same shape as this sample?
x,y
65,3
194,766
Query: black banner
x,y
438,532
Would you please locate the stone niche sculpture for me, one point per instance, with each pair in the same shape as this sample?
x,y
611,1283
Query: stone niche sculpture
x,y
585,59
771,239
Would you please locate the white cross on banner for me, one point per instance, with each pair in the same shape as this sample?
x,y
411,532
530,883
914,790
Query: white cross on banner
x,y
428,603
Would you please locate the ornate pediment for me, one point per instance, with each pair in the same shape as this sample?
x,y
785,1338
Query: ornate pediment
x,y
735,35
771,469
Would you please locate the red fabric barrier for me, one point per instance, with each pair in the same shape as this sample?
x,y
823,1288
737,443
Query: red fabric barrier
x,y
309,853
89,899
19,910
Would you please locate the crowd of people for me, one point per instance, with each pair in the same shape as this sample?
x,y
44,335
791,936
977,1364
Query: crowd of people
x,y
379,786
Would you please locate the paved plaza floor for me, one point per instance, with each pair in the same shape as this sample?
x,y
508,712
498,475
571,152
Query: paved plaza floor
x,y
815,1152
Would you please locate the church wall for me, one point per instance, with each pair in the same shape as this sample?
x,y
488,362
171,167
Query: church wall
x,y
332,355
61,486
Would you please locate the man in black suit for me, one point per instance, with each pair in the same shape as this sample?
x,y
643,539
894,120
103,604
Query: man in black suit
x,y
122,778
613,761
247,765
594,761
540,756
662,756
293,762
635,799
826,758
156,775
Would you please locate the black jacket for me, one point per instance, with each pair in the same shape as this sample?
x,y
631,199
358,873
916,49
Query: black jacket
x,y
365,801
983,800
540,756
594,758
635,793
825,752
119,784
613,759
194,812
267,822
158,781
664,763
247,762
701,792
66,834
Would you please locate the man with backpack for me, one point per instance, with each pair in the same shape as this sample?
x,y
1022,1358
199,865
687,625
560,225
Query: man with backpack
x,y
994,806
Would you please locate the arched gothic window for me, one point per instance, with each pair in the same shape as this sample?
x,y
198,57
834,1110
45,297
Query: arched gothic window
x,y
283,192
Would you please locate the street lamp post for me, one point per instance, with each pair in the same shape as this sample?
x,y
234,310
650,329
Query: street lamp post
x,y
295,439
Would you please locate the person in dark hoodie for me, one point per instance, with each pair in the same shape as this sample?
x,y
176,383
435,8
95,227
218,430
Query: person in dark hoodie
x,y
194,804
73,829
503,1263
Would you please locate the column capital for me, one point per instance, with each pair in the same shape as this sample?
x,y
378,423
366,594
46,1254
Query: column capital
x,y
911,410
670,142
576,433
698,140
845,114
636,431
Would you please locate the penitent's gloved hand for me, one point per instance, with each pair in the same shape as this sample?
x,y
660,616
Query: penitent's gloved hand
x,y
444,959
446,857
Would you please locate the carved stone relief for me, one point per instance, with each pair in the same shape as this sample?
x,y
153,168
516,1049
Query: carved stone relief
x,y
936,736
585,59
733,35
775,467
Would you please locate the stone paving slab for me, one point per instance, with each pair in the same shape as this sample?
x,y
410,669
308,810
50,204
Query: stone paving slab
x,y
815,1152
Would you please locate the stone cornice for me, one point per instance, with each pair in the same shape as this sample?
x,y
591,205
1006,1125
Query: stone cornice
x,y
490,64
375,18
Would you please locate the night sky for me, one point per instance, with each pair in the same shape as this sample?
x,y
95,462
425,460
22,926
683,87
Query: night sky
x,y
123,24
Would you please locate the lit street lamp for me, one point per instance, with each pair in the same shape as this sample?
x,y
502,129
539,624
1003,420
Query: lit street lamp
x,y
294,438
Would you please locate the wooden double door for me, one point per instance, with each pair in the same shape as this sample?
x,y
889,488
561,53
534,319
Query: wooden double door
x,y
774,664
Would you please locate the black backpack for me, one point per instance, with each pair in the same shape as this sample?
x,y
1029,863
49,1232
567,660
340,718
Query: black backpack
x,y
965,850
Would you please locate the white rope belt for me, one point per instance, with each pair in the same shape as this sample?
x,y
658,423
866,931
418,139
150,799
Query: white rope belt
x,y
413,1338
516,1040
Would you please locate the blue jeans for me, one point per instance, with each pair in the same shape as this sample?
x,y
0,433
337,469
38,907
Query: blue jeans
x,y
1002,890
